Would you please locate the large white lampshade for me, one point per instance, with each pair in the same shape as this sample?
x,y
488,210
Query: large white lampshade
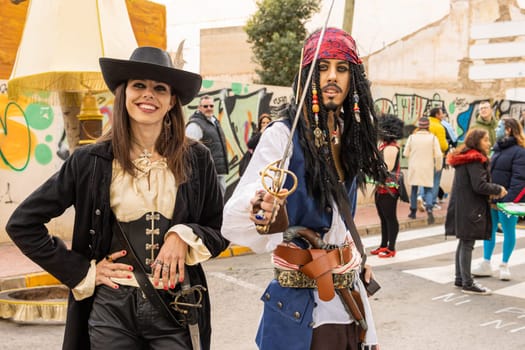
x,y
62,42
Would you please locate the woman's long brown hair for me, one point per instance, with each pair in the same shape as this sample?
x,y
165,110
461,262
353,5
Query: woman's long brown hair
x,y
473,141
171,143
515,130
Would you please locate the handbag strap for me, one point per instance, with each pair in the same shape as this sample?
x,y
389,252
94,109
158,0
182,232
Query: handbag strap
x,y
142,278
350,225
519,196
397,164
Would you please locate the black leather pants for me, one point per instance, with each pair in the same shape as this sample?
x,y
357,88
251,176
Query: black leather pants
x,y
124,318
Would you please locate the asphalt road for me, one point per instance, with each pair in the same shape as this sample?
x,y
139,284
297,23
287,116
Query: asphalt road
x,y
417,308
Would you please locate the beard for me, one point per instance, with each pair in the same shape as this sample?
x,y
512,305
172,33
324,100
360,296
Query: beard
x,y
331,106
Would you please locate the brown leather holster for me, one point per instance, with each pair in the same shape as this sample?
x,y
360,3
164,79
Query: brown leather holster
x,y
317,264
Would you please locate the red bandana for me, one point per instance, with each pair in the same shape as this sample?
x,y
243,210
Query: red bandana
x,y
336,44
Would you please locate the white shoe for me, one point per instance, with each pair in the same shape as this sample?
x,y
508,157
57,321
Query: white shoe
x,y
420,204
483,269
504,272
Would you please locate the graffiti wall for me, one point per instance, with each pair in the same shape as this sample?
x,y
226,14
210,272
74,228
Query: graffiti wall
x,y
33,144
237,107
462,110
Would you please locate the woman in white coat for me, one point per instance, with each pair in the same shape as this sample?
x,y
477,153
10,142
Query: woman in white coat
x,y
424,157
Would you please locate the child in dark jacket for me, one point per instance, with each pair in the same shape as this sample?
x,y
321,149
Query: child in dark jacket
x,y
469,208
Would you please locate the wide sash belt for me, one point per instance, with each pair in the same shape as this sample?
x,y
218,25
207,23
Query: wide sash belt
x,y
297,279
317,264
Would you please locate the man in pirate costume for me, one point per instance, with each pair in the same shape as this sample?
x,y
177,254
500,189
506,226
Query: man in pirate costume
x,y
148,210
316,259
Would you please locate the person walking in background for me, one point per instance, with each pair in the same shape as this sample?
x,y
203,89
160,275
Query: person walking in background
x,y
334,146
486,121
436,127
264,120
507,168
386,196
468,213
424,158
451,135
148,210
203,126
452,140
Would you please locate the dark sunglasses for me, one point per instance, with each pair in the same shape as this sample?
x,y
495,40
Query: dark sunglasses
x,y
207,106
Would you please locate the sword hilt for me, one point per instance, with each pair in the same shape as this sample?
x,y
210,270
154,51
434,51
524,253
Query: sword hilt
x,y
276,175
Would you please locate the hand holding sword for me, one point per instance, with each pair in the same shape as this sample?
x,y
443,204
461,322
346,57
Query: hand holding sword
x,y
268,211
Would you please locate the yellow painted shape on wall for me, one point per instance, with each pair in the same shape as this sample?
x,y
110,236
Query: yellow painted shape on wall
x,y
15,137
148,20
12,18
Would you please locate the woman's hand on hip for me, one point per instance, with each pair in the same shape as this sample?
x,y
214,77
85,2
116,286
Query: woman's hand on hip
x,y
170,262
108,268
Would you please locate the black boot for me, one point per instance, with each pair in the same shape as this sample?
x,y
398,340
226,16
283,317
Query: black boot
x,y
412,214
430,217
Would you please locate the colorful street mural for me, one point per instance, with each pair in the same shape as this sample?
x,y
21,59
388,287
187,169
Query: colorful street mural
x,y
33,144
462,111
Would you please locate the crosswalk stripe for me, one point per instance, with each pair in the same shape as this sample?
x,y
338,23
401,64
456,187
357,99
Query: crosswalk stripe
x,y
445,274
516,290
407,255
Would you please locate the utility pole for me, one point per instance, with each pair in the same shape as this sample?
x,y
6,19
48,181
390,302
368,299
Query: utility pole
x,y
348,18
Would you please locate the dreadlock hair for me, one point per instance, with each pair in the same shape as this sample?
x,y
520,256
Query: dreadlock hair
x,y
390,127
359,155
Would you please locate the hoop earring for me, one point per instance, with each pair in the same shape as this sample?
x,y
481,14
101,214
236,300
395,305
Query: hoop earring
x,y
167,127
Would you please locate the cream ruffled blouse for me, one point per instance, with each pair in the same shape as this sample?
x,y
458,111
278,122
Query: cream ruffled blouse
x,y
153,188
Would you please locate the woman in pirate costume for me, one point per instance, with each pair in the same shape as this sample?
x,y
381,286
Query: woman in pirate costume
x,y
147,212
316,259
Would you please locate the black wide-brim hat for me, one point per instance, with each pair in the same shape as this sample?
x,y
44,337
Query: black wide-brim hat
x,y
154,64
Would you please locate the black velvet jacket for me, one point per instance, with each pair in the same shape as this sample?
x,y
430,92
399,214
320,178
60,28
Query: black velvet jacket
x,y
83,181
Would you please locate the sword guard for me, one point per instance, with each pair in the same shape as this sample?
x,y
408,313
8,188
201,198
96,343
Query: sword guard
x,y
276,175
180,302
277,179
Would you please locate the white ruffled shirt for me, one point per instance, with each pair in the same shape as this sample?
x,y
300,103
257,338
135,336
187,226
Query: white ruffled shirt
x,y
238,228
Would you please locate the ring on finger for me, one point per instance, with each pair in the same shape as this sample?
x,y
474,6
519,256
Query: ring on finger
x,y
109,258
165,267
158,262
260,214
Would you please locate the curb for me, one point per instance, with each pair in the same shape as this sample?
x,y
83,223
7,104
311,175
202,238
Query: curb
x,y
27,281
404,225
235,250
45,279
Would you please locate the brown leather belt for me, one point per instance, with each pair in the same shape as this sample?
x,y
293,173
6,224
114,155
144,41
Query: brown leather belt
x,y
317,264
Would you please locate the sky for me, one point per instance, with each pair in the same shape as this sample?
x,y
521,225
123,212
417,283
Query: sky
x,y
377,23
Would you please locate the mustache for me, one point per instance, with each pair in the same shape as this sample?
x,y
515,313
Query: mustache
x,y
332,86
